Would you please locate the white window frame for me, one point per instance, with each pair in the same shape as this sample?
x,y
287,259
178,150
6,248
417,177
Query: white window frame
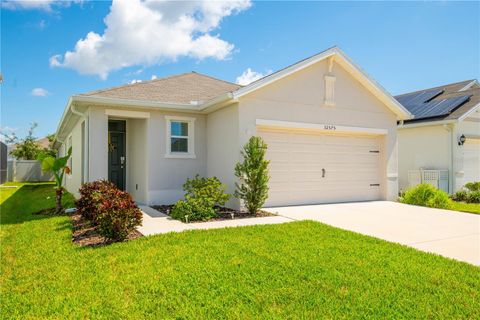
x,y
190,138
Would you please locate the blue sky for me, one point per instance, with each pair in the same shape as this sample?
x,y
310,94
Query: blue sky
x,y
405,46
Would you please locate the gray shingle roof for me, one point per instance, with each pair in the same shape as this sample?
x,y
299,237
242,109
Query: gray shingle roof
x,y
433,104
179,89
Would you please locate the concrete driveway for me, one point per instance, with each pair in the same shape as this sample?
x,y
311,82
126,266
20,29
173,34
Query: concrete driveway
x,y
448,233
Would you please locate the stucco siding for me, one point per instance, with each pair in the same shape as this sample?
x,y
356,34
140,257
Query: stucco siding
x,y
423,148
300,98
136,160
223,147
74,180
167,175
98,144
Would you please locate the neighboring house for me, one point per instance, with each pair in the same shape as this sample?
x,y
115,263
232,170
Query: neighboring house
x,y
444,134
331,133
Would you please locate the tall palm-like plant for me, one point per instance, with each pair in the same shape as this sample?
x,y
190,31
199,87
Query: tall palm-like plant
x,y
58,166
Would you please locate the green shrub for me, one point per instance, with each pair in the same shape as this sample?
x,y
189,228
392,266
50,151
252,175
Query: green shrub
x,y
428,196
440,200
473,197
473,186
209,189
253,175
196,209
460,195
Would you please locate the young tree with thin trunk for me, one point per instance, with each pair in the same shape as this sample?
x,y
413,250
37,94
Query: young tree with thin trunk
x,y
58,166
253,175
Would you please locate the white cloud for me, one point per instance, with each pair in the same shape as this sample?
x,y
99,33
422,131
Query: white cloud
x,y
45,5
150,32
248,76
154,77
40,92
135,81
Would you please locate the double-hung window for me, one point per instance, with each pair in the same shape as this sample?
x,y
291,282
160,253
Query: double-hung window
x,y
180,135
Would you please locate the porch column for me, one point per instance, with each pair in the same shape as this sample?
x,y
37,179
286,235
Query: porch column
x,y
98,144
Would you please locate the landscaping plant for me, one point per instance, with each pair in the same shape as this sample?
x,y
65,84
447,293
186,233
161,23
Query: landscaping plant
x,y
26,148
252,173
473,197
112,210
206,188
470,193
428,196
91,194
118,215
473,186
58,166
193,209
201,197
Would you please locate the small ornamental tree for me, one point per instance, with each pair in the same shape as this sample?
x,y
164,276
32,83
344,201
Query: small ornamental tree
x,y
26,148
253,176
58,166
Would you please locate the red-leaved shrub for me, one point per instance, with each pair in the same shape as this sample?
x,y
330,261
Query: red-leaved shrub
x,y
113,210
91,196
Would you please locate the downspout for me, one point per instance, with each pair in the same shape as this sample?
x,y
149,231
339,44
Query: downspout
x,y
86,141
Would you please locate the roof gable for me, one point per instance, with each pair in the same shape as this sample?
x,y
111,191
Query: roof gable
x,y
347,64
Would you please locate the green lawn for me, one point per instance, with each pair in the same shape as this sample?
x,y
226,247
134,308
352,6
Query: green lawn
x,y
466,207
296,270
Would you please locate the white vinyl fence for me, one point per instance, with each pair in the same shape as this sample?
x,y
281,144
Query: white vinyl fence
x,y
26,171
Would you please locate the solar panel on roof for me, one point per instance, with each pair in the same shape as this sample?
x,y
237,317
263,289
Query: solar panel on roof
x,y
437,108
416,99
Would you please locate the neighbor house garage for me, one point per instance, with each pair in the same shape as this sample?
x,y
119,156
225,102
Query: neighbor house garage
x,y
331,133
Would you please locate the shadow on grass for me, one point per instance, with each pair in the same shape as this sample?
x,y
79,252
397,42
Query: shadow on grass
x,y
28,199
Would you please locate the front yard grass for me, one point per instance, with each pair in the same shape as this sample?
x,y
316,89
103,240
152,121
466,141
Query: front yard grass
x,y
295,270
466,207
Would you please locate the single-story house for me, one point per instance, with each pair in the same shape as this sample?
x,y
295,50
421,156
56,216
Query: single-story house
x,y
443,136
331,132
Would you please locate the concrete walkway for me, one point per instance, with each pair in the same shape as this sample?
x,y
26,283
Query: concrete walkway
x,y
155,222
449,233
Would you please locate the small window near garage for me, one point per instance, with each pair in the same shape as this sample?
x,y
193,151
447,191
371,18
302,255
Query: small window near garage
x,y
180,142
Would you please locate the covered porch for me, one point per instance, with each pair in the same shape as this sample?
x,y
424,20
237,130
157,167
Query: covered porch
x,y
118,149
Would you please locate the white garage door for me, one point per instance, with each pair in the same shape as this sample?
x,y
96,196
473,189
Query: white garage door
x,y
309,168
471,160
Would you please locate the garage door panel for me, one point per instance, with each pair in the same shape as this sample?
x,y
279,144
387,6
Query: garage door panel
x,y
351,165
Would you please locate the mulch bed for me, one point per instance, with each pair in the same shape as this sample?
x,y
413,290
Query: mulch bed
x,y
85,234
222,212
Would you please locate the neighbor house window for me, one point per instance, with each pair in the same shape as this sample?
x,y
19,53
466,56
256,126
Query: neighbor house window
x,y
180,133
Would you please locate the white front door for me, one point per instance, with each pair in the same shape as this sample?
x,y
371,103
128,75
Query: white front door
x,y
309,168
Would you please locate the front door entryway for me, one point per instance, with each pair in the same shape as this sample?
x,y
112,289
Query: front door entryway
x,y
116,153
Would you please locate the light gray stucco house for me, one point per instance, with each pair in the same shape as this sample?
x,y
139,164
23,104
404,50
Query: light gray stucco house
x,y
331,133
